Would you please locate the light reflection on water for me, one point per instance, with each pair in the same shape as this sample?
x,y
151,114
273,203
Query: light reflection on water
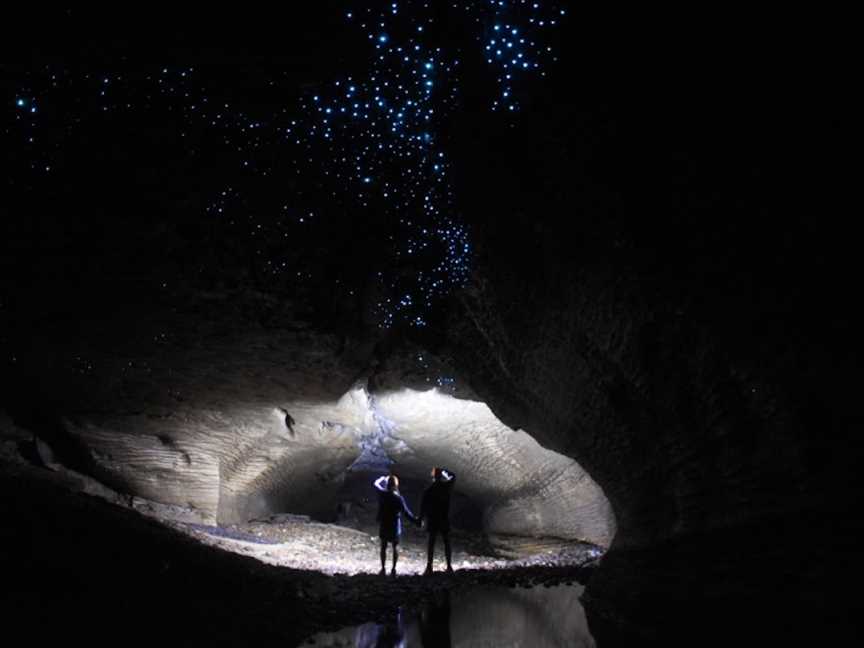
x,y
538,617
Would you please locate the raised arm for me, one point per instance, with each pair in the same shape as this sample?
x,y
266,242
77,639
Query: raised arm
x,y
381,483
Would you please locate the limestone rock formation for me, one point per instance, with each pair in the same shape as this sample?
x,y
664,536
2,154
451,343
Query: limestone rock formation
x,y
245,425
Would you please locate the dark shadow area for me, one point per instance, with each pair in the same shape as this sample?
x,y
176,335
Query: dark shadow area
x,y
78,569
664,286
479,616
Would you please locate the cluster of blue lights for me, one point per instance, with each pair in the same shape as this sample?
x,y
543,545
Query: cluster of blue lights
x,y
379,137
371,142
517,45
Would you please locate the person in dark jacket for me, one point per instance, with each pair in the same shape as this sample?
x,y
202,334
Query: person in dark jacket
x,y
391,505
435,510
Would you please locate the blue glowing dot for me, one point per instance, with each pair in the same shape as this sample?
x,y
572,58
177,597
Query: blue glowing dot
x,y
20,103
383,38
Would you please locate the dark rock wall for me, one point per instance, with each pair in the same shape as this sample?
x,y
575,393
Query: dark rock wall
x,y
682,434
664,292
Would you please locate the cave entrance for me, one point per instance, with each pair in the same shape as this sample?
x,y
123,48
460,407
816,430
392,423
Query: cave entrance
x,y
513,498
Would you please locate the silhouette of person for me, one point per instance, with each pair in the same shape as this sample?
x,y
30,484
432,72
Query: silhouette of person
x,y
435,509
391,505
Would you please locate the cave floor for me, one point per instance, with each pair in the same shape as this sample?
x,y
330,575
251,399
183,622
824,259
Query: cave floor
x,y
69,547
299,543
80,568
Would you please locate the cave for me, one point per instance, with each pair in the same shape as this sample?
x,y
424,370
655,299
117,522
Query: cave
x,y
608,282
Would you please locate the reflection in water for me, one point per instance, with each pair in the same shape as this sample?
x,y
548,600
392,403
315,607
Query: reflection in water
x,y
434,621
482,616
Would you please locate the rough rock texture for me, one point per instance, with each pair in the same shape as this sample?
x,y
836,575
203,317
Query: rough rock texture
x,y
683,437
683,331
198,419
666,292
239,422
521,488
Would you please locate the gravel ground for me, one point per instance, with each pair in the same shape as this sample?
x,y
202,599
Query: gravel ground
x,y
80,564
299,543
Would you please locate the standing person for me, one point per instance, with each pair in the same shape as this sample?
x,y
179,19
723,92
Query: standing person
x,y
391,504
435,509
